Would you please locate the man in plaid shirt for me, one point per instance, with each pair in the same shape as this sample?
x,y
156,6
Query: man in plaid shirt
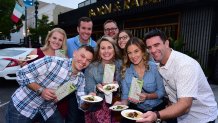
x,y
35,98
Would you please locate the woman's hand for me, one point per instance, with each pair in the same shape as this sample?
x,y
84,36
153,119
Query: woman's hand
x,y
115,82
99,87
123,102
118,103
22,63
92,93
142,97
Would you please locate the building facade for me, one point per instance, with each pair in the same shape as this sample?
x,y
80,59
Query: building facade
x,y
50,10
194,21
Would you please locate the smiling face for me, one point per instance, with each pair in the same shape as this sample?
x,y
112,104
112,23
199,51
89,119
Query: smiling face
x,y
123,39
85,31
158,49
135,54
82,58
106,51
56,40
111,30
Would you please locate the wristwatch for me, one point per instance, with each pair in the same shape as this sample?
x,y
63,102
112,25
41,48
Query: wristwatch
x,y
39,91
158,117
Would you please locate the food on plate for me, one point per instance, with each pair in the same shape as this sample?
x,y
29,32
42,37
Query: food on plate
x,y
90,98
28,57
110,87
133,114
119,107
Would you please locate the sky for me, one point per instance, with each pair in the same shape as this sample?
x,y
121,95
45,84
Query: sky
x,y
68,3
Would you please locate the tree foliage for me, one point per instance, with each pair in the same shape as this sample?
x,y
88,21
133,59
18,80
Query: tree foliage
x,y
6,24
44,26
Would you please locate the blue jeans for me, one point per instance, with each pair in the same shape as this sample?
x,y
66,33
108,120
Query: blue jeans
x,y
75,115
13,116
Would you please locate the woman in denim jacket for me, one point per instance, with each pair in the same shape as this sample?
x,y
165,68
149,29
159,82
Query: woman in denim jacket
x,y
106,53
137,65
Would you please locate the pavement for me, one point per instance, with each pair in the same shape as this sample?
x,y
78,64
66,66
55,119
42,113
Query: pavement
x,y
214,88
215,91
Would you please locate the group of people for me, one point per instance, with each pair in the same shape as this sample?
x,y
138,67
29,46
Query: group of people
x,y
174,87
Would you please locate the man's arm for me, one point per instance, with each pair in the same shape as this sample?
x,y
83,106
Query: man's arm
x,y
47,93
175,110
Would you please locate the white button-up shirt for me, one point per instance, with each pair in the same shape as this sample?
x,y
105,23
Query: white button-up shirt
x,y
183,77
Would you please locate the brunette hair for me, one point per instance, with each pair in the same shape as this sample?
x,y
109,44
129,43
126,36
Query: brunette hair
x,y
128,32
110,40
83,19
126,62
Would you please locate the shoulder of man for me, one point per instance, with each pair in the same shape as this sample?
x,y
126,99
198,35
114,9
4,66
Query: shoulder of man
x,y
93,42
73,39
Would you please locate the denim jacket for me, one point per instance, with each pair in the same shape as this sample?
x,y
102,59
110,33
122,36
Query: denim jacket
x,y
94,75
152,83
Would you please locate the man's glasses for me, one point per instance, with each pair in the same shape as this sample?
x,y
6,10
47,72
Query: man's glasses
x,y
123,37
110,29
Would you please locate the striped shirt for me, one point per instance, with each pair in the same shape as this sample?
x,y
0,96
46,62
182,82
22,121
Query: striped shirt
x,y
48,72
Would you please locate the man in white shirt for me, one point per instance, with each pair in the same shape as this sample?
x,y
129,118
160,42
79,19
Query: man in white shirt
x,y
185,83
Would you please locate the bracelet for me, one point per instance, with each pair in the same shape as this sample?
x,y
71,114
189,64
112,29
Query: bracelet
x,y
158,117
158,114
39,91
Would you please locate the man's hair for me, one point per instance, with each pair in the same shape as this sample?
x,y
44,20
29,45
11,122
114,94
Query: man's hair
x,y
156,32
87,48
84,19
110,21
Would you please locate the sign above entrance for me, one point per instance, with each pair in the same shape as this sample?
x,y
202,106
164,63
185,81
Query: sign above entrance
x,y
119,5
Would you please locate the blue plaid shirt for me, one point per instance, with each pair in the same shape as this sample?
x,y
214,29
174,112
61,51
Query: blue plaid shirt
x,y
48,72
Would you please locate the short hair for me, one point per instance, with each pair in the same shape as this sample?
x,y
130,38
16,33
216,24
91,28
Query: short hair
x,y
156,32
84,19
87,48
108,39
47,43
109,21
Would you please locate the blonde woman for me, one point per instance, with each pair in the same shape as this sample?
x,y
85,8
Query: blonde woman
x,y
55,39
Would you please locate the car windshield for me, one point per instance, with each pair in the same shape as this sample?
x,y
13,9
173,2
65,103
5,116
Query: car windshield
x,y
11,53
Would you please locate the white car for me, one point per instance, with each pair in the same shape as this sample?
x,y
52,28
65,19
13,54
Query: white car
x,y
8,61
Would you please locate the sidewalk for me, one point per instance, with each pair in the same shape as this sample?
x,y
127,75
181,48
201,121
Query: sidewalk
x,y
215,91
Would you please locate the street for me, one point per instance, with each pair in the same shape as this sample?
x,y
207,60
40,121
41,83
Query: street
x,y
6,90
8,87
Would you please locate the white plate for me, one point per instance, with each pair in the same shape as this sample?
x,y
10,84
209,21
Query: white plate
x,y
111,85
28,58
115,107
125,113
96,98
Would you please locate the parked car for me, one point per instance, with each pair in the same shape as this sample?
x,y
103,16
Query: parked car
x,y
9,63
8,44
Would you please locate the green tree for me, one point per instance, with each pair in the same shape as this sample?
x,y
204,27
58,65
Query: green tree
x,y
44,26
6,24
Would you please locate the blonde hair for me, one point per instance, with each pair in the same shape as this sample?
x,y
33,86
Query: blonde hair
x,y
63,47
141,45
110,40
